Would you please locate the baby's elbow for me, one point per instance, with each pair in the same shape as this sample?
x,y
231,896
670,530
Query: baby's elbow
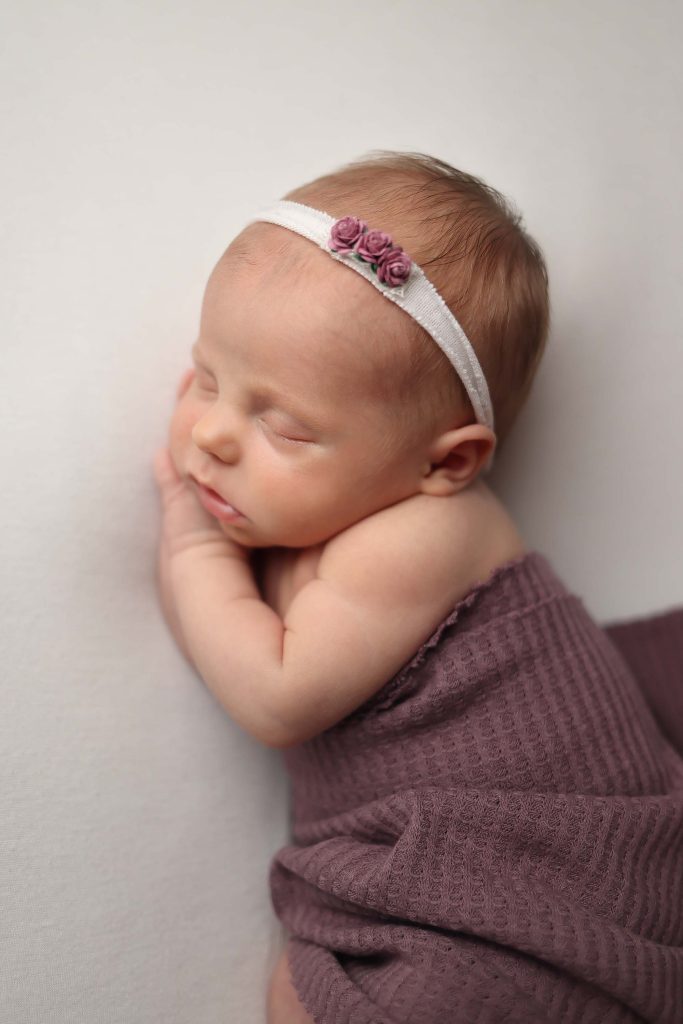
x,y
280,728
284,730
277,737
273,728
301,723
290,727
310,695
285,738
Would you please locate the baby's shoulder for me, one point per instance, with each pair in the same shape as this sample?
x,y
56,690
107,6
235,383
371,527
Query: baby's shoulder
x,y
434,548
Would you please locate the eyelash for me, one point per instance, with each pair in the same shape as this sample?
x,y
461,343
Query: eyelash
x,y
282,437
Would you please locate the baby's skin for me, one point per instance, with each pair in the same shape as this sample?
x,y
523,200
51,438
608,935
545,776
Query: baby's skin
x,y
333,553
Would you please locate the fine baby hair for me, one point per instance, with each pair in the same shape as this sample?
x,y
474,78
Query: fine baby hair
x,y
469,242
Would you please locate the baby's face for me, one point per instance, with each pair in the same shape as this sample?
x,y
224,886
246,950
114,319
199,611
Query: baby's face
x,y
280,419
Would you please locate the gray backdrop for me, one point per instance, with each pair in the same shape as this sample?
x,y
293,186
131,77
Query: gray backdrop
x,y
136,821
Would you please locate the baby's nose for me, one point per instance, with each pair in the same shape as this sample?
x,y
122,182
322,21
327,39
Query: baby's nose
x,y
217,436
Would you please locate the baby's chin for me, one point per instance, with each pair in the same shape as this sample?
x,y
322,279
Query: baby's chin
x,y
253,539
247,538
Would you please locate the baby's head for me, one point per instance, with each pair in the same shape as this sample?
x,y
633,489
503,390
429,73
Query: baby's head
x,y
470,242
382,413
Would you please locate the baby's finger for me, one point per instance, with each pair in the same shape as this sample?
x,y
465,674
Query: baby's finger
x,y
185,522
185,382
164,471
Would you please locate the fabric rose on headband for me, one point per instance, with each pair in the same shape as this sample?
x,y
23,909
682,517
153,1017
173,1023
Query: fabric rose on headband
x,y
394,267
372,245
345,233
390,263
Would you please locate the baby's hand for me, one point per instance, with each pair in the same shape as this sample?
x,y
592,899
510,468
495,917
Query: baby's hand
x,y
184,382
186,525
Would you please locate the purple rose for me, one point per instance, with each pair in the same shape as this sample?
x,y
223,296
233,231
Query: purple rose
x,y
373,244
345,233
394,267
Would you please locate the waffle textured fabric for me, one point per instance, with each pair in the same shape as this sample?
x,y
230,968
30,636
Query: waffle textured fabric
x,y
496,836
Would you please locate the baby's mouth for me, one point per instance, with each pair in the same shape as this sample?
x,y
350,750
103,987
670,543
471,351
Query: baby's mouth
x,y
217,505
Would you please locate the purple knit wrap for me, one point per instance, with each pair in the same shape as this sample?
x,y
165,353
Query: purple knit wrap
x,y
496,836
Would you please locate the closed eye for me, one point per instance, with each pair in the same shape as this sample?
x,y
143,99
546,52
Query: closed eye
x,y
284,437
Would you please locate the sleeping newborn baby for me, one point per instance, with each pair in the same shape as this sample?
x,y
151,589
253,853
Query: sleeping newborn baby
x,y
345,583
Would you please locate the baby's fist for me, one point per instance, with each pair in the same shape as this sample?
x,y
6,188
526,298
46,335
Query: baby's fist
x,y
164,471
184,383
185,523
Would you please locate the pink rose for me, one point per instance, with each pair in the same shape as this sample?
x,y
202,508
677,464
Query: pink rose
x,y
345,233
394,267
373,244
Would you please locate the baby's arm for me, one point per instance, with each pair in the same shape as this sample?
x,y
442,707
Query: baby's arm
x,y
382,587
167,600
213,606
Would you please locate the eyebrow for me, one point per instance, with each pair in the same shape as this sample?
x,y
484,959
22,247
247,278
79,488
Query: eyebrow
x,y
303,418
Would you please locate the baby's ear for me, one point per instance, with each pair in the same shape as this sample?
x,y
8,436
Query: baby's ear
x,y
456,459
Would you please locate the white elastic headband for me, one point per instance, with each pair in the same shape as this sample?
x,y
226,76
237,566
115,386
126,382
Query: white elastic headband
x,y
385,265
